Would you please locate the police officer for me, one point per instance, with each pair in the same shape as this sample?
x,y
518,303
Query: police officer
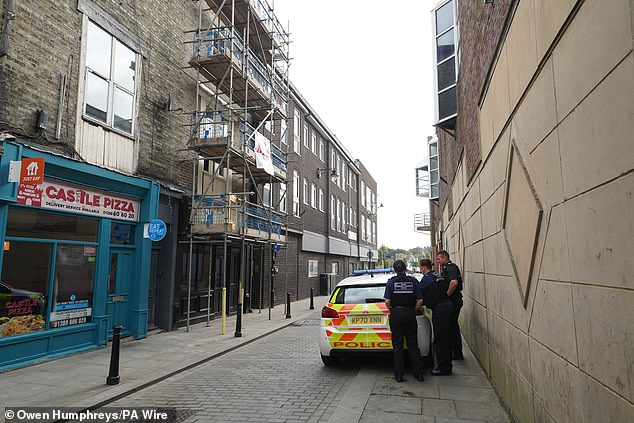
x,y
435,297
403,299
451,272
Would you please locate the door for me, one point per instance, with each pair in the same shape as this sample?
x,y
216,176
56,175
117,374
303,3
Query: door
x,y
152,300
118,300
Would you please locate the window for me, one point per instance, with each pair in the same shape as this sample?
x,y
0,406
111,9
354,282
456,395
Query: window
x,y
338,210
373,240
313,142
313,196
363,227
295,193
306,198
297,145
313,268
344,171
266,195
283,197
321,199
335,268
363,193
73,286
333,221
446,64
283,131
305,134
434,175
322,149
110,86
338,171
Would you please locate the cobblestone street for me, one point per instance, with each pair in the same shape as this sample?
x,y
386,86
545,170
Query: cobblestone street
x,y
279,378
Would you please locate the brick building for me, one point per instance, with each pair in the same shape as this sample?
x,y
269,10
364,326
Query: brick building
x,y
163,110
533,188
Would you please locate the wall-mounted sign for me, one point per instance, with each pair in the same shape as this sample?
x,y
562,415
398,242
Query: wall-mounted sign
x,y
32,171
61,196
155,230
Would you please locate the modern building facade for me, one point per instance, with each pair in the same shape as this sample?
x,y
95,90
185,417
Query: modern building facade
x,y
534,122
183,113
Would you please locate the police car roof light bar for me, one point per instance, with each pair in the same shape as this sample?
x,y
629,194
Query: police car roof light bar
x,y
370,271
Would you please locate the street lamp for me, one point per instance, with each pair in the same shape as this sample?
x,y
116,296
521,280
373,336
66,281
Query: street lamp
x,y
333,172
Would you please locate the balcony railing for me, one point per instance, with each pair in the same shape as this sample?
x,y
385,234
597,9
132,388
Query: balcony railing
x,y
214,214
422,222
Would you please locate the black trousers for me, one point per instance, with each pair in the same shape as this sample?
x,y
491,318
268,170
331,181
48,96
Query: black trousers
x,y
454,330
403,326
442,314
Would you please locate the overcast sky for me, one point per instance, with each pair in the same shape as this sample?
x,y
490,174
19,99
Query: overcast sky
x,y
365,66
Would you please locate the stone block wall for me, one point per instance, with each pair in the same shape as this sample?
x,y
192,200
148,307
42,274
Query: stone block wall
x,y
543,231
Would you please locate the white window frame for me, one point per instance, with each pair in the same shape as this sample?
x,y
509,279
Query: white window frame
x,y
313,196
306,135
313,268
283,189
296,189
305,191
333,219
266,195
297,143
321,199
322,149
313,141
283,131
434,172
113,86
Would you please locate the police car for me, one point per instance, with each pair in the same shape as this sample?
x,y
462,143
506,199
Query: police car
x,y
356,319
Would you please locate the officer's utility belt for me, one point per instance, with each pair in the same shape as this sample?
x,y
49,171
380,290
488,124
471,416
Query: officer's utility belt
x,y
400,307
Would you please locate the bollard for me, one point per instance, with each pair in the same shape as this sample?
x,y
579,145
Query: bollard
x,y
312,300
288,305
113,375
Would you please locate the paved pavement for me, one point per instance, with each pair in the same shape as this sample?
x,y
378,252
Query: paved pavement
x,y
369,396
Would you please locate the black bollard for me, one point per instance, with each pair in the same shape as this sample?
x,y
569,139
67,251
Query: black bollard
x,y
312,300
113,375
238,332
288,305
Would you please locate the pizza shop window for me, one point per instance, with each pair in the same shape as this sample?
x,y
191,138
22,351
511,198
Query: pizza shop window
x,y
33,224
110,83
73,285
24,287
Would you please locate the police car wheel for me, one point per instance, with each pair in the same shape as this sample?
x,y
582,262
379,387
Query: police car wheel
x,y
330,361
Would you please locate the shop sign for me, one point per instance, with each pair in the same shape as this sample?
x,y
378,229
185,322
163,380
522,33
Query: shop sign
x,y
60,196
32,171
69,313
156,230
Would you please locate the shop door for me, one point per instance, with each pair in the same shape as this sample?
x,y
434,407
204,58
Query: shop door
x,y
118,300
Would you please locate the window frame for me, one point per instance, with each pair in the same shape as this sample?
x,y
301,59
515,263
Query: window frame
x,y
113,86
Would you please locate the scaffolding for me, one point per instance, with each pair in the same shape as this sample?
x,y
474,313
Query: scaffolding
x,y
240,56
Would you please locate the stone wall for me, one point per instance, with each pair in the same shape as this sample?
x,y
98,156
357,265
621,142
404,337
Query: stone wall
x,y
543,231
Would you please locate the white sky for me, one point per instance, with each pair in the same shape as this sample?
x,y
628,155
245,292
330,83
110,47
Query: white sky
x,y
365,66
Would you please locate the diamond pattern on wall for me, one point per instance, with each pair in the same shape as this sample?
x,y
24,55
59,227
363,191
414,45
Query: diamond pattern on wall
x,y
521,220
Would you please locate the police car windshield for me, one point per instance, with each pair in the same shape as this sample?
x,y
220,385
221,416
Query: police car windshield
x,y
360,294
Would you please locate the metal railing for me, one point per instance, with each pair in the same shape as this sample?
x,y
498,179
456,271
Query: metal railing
x,y
214,209
422,222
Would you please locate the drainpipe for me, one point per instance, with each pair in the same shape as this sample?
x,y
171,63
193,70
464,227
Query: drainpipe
x,y
7,23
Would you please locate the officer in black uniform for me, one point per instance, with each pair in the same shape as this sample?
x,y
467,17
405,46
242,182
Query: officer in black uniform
x,y
435,297
451,272
403,299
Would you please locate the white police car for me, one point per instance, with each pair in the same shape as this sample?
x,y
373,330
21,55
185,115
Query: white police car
x,y
356,319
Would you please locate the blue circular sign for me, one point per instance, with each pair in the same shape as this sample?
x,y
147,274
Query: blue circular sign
x,y
156,230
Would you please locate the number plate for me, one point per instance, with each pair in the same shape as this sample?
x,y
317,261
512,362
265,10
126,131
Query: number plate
x,y
367,319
